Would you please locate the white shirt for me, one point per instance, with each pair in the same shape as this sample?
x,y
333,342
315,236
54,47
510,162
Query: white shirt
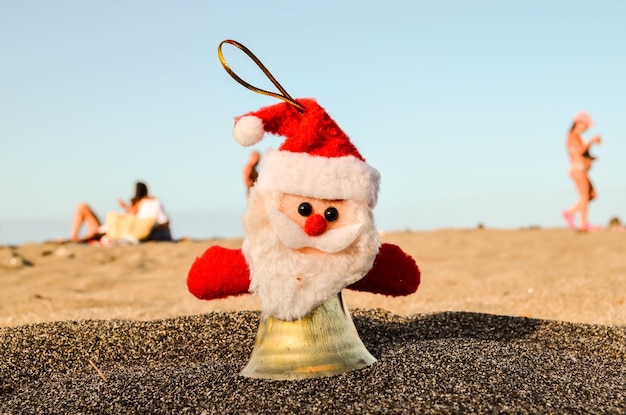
x,y
152,208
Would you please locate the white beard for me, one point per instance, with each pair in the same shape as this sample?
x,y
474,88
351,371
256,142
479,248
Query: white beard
x,y
290,284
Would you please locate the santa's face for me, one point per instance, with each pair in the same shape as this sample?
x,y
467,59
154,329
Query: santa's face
x,y
302,250
313,226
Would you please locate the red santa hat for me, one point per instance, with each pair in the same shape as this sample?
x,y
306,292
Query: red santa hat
x,y
317,159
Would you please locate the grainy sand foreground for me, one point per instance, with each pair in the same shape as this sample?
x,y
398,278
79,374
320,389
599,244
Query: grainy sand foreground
x,y
529,321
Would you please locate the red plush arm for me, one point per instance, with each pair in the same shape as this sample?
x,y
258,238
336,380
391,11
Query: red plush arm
x,y
394,273
218,273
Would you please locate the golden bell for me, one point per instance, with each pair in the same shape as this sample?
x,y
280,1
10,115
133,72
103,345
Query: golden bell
x,y
322,343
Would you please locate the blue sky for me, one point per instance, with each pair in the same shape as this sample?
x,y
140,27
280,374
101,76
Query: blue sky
x,y
462,106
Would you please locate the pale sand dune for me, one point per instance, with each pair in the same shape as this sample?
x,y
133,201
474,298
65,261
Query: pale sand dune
x,y
547,274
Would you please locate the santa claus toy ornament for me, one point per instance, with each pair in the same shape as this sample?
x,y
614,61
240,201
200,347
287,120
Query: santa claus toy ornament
x,y
308,234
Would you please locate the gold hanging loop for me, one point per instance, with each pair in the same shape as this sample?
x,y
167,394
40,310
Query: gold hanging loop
x,y
285,95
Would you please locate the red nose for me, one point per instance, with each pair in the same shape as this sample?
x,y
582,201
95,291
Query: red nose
x,y
315,225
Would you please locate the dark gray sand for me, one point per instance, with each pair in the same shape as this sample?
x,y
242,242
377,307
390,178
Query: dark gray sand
x,y
434,363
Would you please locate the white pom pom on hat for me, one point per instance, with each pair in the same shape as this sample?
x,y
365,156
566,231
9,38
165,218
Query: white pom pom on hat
x,y
248,130
317,159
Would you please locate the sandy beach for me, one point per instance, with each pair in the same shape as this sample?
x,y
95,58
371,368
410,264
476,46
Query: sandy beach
x,y
546,274
505,321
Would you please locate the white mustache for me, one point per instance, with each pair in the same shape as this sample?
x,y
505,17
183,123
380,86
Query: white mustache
x,y
293,237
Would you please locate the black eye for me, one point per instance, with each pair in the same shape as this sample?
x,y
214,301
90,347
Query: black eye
x,y
331,214
305,209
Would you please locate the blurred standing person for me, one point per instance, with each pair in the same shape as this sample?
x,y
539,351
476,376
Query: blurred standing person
x,y
250,172
580,161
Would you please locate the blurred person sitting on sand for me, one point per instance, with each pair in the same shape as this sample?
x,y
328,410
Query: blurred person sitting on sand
x,y
141,205
250,172
580,161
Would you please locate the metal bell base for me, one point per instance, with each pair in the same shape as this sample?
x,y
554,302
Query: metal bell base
x,y
322,343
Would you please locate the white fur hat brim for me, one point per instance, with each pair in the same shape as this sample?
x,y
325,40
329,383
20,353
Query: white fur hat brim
x,y
331,178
